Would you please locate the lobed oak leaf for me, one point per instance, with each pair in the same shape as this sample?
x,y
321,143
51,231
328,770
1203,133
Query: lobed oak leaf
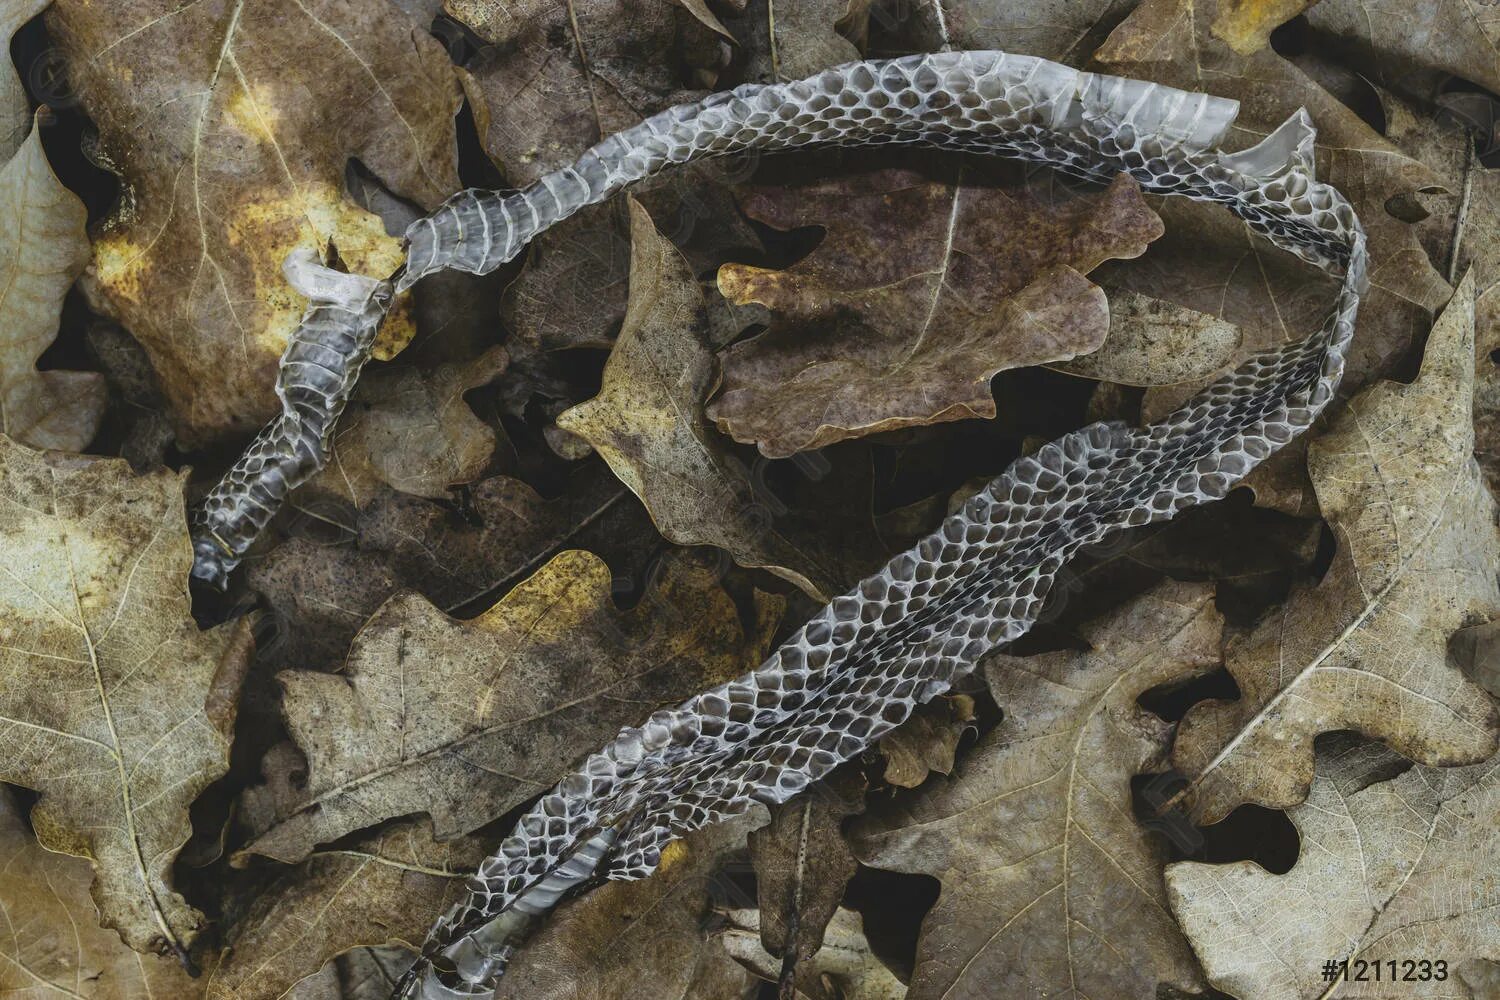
x,y
1367,647
918,294
464,720
53,946
1047,878
647,423
231,125
116,708
1391,869
845,968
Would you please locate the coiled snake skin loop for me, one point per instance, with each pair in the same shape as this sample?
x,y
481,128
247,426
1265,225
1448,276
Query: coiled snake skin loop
x,y
904,635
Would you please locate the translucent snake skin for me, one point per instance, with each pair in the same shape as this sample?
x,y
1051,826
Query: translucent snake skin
x,y
902,636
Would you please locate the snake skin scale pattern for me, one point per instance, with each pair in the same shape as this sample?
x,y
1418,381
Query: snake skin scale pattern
x,y
318,370
905,634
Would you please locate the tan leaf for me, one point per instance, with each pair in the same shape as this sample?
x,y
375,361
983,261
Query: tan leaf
x,y
1047,878
1247,24
43,248
557,78
1208,261
53,946
384,889
464,720
361,974
1392,869
919,292
1156,342
845,959
115,708
412,430
648,425
927,741
1367,647
231,124
631,940
15,109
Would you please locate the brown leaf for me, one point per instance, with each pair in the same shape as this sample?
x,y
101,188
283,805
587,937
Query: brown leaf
x,y
1246,25
919,292
412,430
53,946
1435,38
1047,878
231,124
647,424
557,78
1209,262
629,940
927,741
1389,869
1366,648
116,708
802,864
43,248
387,888
464,720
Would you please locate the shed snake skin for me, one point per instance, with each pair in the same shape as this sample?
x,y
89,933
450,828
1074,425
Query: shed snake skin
x,y
905,634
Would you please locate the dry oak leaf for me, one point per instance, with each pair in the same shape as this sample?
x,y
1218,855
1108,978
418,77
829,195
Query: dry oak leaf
x,y
1391,868
1209,261
843,969
631,940
115,707
43,248
782,40
53,946
231,124
412,430
464,720
361,974
918,294
1435,37
647,423
557,78
1367,647
802,864
1047,878
386,888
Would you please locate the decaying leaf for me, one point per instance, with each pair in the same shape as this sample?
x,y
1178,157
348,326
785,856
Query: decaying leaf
x,y
927,741
53,946
1153,342
1441,36
628,940
802,864
557,78
43,248
1390,869
361,974
793,39
385,889
843,969
647,423
1047,877
1366,648
208,111
919,292
464,720
115,707
412,431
